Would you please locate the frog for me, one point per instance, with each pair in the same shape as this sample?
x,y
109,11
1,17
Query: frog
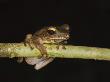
x,y
47,35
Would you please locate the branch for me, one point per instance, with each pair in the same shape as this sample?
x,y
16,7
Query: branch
x,y
19,50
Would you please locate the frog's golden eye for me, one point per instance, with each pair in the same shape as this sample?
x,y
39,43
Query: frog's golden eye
x,y
51,31
51,28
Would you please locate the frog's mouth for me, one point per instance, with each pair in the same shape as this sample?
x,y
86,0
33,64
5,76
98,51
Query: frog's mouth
x,y
59,38
56,38
64,37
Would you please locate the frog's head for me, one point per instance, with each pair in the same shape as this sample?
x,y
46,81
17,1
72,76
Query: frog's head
x,y
55,34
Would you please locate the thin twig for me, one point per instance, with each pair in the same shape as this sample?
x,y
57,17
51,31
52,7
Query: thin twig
x,y
19,50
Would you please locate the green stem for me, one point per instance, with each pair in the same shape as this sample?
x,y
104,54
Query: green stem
x,y
19,50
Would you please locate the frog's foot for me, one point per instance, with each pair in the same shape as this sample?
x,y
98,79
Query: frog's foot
x,y
20,59
29,44
63,47
60,47
39,63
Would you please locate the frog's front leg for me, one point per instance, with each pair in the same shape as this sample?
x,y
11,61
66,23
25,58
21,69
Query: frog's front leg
x,y
61,45
28,41
40,46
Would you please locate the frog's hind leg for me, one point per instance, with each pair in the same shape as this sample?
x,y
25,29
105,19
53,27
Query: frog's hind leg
x,y
43,63
38,62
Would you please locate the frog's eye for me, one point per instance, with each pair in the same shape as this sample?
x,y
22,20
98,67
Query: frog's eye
x,y
51,28
51,31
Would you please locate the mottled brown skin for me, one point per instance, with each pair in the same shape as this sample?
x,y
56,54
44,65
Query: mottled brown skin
x,y
47,35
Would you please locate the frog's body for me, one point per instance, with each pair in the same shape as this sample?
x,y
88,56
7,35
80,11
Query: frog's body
x,y
47,35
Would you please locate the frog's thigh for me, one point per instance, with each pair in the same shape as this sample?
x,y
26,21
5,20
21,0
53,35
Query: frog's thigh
x,y
43,63
32,60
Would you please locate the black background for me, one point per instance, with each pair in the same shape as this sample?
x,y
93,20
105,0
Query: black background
x,y
89,21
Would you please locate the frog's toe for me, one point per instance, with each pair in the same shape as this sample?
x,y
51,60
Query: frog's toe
x,y
20,59
43,63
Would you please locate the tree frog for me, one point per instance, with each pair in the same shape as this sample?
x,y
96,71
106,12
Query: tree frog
x,y
47,35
